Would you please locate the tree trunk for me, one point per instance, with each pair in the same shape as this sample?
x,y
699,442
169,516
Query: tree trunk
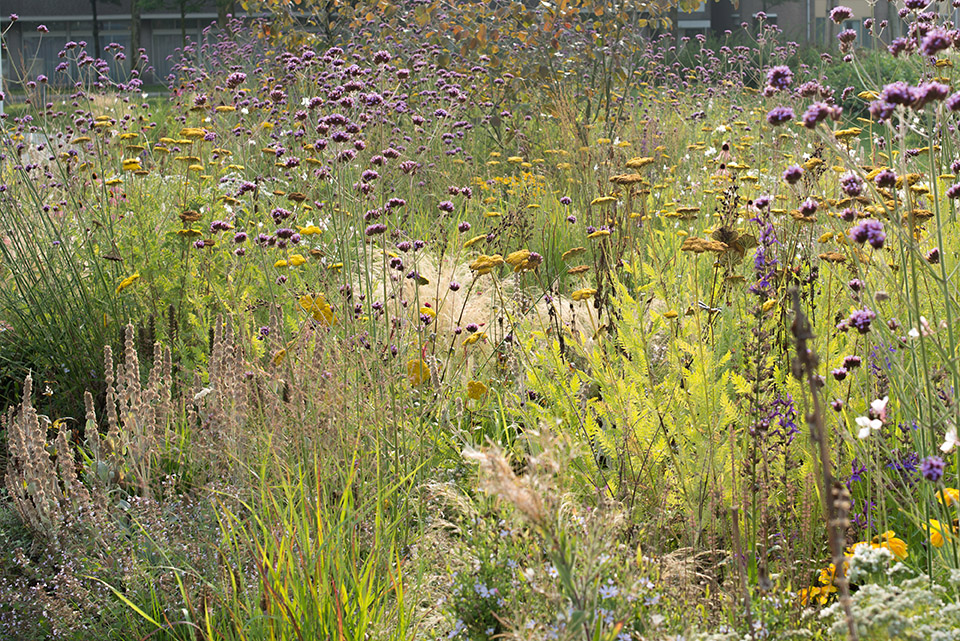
x,y
721,17
223,8
183,22
135,35
97,51
675,24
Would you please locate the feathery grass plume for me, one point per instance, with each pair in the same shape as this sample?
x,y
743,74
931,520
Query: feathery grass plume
x,y
498,479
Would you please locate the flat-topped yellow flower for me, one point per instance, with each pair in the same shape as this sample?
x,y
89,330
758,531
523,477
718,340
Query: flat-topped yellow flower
x,y
193,132
473,338
485,264
603,200
583,294
129,280
640,162
474,240
417,372
515,258
318,307
476,390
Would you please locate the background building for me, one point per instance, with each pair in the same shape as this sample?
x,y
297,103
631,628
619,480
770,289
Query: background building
x,y
166,24
163,27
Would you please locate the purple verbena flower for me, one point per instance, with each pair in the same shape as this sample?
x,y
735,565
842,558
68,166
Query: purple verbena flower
x,y
935,41
869,231
932,467
885,178
779,77
860,320
841,14
793,174
779,116
851,185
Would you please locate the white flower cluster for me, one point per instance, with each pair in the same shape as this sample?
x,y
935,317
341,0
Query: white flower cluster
x,y
868,560
912,610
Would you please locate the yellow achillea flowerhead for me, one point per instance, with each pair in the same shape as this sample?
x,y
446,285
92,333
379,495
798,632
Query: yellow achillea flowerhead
x,y
417,372
476,390
602,200
318,307
639,162
626,179
279,356
847,133
129,280
296,260
599,233
474,240
700,245
516,258
583,294
309,230
131,164
570,253
473,338
485,264
530,263
193,132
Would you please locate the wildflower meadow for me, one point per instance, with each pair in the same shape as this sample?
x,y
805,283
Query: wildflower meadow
x,y
413,320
